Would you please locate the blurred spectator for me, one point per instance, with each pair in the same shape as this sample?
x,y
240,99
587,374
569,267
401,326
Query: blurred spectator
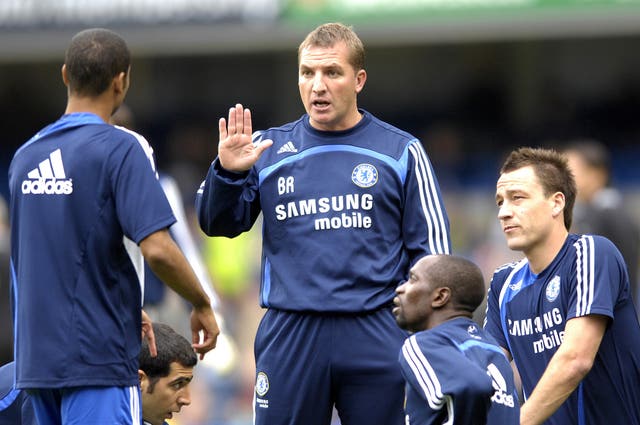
x,y
599,207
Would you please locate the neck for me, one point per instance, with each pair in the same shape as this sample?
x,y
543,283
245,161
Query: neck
x,y
438,318
543,254
94,105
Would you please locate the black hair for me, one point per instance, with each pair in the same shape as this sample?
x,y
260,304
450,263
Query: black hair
x,y
172,347
94,57
463,278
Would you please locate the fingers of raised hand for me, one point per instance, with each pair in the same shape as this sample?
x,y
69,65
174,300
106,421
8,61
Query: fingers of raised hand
x,y
222,129
236,120
247,122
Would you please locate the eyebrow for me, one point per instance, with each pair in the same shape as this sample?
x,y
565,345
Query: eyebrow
x,y
511,191
182,379
333,64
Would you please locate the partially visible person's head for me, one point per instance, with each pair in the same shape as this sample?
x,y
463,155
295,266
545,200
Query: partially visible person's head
x,y
328,35
165,379
93,59
123,117
590,162
440,287
550,171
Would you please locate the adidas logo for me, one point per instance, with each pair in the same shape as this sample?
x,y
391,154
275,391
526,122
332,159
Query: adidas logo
x,y
49,178
287,147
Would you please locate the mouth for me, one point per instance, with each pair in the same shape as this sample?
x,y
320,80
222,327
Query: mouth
x,y
508,228
320,104
396,306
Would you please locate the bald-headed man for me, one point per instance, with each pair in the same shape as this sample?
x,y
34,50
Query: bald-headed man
x,y
454,372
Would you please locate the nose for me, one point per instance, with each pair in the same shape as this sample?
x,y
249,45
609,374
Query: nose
x,y
400,288
504,211
184,398
318,83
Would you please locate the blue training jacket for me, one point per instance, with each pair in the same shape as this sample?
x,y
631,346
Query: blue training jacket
x,y
345,213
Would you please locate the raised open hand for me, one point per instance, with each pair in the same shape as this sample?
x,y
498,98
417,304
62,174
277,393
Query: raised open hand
x,y
236,152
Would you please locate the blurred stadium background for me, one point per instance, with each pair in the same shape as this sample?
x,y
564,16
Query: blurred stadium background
x,y
471,78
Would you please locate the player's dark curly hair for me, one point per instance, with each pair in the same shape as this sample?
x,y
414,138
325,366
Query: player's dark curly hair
x,y
171,347
94,57
553,173
327,35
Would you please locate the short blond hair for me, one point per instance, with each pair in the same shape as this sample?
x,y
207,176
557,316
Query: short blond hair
x,y
327,35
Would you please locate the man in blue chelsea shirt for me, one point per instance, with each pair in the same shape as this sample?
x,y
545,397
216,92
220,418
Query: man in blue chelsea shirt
x,y
83,194
455,372
564,312
349,204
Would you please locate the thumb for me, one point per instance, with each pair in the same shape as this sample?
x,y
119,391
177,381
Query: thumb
x,y
262,146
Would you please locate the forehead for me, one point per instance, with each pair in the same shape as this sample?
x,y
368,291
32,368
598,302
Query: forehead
x,y
178,371
337,54
522,179
420,269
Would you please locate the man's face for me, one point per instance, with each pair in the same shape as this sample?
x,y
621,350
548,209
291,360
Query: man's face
x,y
329,87
413,298
167,396
524,212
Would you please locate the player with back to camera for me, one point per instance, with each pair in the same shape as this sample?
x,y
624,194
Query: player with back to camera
x,y
564,312
455,372
349,203
78,187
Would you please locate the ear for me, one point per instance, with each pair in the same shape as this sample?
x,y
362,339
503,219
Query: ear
x,y
120,83
558,204
63,72
361,78
440,297
143,379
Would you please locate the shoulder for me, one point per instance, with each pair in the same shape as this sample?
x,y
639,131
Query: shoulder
x,y
429,341
593,240
593,246
391,129
502,273
132,137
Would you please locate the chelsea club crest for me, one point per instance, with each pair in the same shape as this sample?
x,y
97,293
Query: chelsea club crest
x,y
262,384
553,289
364,175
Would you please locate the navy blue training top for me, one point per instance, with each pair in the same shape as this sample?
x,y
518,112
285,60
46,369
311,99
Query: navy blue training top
x,y
527,314
78,187
345,213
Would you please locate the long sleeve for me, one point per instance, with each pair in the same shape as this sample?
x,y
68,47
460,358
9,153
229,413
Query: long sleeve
x,y
227,204
425,225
